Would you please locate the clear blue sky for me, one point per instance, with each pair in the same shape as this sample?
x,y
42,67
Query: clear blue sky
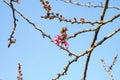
x,y
43,60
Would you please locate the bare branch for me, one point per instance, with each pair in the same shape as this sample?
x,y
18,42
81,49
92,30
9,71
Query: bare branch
x,y
90,5
11,39
65,69
113,63
107,37
104,66
104,10
94,40
113,18
107,70
70,62
82,31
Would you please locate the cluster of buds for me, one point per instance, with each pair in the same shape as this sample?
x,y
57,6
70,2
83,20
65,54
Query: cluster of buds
x,y
19,77
46,5
61,18
61,39
52,15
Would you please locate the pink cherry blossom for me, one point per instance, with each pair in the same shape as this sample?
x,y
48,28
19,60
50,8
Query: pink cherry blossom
x,y
57,40
60,41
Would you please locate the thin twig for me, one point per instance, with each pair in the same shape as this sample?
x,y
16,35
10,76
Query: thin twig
x,y
107,70
79,32
90,5
65,69
113,18
11,39
107,37
113,63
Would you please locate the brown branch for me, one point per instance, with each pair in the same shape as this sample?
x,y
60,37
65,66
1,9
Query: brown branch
x,y
94,39
79,32
65,69
90,5
51,15
107,37
113,18
89,53
104,10
11,39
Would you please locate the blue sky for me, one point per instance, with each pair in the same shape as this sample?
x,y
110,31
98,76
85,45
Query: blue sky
x,y
43,60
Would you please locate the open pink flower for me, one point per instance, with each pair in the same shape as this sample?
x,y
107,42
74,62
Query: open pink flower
x,y
59,40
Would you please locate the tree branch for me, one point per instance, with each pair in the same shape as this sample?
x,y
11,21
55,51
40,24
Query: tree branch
x,y
90,5
11,39
110,20
79,32
65,69
107,70
107,37
70,62
94,40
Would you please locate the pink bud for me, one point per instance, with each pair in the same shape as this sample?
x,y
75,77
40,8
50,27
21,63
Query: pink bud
x,y
66,45
82,19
